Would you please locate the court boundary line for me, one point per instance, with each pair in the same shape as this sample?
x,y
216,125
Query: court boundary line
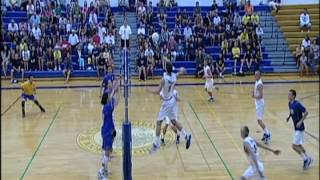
x,y
155,84
38,147
10,106
212,143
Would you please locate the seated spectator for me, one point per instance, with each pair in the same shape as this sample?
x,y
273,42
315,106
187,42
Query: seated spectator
x,y
141,31
155,38
185,17
12,28
162,19
80,59
259,31
187,32
298,53
220,67
214,7
93,19
35,20
224,48
25,57
36,32
216,20
255,19
33,59
246,19
306,43
258,58
180,49
305,22
199,57
15,4
236,20
172,47
314,50
110,41
249,8
141,11
244,38
30,9
304,66
275,5
142,65
67,67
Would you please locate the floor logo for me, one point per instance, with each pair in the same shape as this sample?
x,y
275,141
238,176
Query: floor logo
x,y
142,138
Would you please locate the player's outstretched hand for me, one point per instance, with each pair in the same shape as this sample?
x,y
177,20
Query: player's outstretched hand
x,y
288,118
276,152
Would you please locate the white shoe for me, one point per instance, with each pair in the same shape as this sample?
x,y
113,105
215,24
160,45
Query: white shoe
x,y
103,174
154,148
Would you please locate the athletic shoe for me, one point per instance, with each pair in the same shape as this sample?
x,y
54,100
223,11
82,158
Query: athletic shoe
x,y
188,141
211,100
178,139
307,163
268,138
102,175
162,141
154,148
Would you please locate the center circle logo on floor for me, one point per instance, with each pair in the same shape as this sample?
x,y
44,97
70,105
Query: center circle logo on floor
x,y
142,139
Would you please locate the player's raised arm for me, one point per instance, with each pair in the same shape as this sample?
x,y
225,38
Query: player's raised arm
x,y
276,151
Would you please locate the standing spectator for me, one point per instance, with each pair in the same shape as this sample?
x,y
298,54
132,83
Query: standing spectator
x,y
5,58
33,59
49,58
25,57
236,52
12,28
30,9
249,8
197,9
41,58
67,67
16,66
125,32
36,32
305,21
142,64
259,31
57,59
199,62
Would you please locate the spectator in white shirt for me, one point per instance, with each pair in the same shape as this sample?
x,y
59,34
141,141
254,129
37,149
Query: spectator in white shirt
x,y
68,26
259,31
274,4
35,19
93,19
73,39
216,20
30,9
306,43
101,31
155,38
141,10
187,32
125,32
110,41
305,21
36,32
25,58
13,27
141,31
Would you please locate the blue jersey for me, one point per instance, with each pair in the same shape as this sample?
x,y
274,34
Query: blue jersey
x,y
107,113
107,77
296,112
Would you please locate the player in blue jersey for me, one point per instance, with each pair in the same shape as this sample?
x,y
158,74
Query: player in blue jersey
x,y
109,103
298,114
109,76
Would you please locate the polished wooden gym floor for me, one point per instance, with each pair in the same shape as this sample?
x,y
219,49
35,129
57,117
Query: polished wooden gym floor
x,y
44,145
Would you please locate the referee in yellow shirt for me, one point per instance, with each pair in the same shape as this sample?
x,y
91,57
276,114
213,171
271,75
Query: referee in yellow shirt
x,y
28,93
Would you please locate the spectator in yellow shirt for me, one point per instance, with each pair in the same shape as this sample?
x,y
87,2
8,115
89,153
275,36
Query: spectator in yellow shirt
x,y
29,93
246,19
255,19
244,37
236,53
57,59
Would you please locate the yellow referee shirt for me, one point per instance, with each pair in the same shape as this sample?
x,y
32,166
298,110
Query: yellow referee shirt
x,y
28,88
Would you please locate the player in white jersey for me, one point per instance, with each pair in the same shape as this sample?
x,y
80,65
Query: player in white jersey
x,y
167,109
209,85
257,94
250,146
168,121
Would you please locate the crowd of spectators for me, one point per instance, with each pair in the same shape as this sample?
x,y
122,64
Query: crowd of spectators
x,y
238,37
59,37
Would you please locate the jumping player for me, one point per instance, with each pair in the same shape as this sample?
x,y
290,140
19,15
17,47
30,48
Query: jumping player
x,y
256,168
257,94
29,93
109,103
167,109
167,120
298,113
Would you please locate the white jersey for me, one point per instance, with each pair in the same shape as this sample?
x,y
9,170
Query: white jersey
x,y
168,87
252,143
205,69
259,102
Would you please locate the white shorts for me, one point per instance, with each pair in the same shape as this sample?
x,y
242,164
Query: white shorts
x,y
167,119
168,110
260,110
252,172
298,138
209,85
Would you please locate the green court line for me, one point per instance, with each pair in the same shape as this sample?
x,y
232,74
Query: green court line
x,y
212,143
43,137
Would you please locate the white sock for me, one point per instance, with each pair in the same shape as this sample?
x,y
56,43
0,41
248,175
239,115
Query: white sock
x,y
184,132
304,156
105,162
157,141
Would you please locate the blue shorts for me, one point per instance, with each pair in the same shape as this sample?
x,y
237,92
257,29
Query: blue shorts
x,y
107,139
28,97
